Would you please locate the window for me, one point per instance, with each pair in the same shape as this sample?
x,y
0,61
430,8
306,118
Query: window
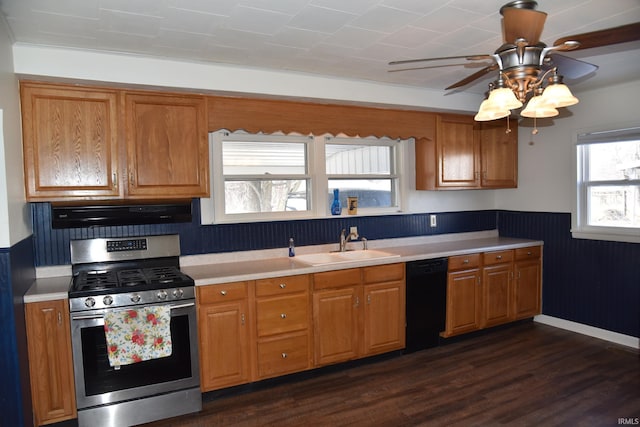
x,y
277,177
608,185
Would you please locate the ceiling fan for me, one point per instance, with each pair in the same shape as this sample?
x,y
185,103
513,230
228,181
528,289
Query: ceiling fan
x,y
526,64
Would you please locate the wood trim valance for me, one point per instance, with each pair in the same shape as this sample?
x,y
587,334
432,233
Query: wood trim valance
x,y
268,116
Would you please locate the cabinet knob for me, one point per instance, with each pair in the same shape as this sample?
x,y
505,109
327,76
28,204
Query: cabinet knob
x,y
499,257
223,293
283,285
466,261
283,315
284,355
529,253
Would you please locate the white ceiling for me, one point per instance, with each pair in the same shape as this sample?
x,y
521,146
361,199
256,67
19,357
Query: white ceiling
x,y
352,39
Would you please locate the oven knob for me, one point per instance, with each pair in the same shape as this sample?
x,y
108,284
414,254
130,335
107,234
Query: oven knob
x,y
107,300
177,293
162,295
89,302
135,298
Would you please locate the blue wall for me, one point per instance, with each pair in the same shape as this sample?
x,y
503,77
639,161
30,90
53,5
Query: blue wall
x,y
16,275
592,282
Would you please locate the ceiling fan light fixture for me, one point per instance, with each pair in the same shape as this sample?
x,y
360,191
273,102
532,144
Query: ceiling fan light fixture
x,y
558,95
536,109
487,112
503,98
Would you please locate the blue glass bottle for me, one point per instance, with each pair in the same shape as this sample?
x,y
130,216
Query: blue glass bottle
x,y
336,209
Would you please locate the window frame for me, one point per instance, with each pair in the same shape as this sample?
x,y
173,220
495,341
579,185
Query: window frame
x,y
213,210
580,227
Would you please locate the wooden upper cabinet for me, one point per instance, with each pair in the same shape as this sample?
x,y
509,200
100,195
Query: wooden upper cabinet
x,y
167,146
498,154
465,154
70,142
91,143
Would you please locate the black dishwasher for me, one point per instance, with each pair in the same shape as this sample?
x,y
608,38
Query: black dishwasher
x,y
426,303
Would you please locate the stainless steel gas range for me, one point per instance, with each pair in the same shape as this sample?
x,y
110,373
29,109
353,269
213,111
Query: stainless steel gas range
x,y
127,277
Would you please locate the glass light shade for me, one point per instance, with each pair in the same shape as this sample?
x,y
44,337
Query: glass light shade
x,y
537,108
487,113
503,99
558,95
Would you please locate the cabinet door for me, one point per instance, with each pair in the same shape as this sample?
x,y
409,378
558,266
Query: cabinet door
x,y
496,281
457,152
464,299
335,324
224,344
70,142
527,288
384,317
499,154
50,362
167,146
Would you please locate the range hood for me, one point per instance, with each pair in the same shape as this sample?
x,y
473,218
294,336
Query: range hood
x,y
65,216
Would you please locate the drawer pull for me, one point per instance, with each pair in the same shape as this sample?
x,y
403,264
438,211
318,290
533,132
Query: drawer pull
x,y
283,285
466,261
528,252
284,355
223,293
283,315
499,257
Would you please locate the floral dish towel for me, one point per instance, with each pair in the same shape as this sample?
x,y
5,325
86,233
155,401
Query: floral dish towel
x,y
137,335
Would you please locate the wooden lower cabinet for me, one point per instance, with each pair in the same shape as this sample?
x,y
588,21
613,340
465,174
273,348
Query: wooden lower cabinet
x,y
493,288
50,361
283,325
358,312
224,335
527,291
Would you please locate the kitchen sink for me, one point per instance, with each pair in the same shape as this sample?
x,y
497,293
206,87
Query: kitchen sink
x,y
324,258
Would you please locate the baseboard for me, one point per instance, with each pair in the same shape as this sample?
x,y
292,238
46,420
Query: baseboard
x,y
591,331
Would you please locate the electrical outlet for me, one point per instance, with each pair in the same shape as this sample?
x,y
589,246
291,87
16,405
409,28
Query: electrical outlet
x,y
353,230
432,221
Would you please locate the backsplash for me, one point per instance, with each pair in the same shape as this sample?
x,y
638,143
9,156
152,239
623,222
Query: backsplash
x,y
52,246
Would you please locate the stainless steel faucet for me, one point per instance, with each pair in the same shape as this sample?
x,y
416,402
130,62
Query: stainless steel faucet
x,y
344,238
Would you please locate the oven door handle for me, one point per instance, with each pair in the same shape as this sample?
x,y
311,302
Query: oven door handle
x,y
100,316
189,304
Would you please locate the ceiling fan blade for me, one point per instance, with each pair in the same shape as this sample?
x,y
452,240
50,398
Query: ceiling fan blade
x,y
606,37
522,23
571,68
467,57
474,76
426,67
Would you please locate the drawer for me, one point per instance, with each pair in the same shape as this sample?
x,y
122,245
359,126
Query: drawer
x,y
282,285
461,262
336,279
498,257
283,355
282,314
383,273
531,252
210,294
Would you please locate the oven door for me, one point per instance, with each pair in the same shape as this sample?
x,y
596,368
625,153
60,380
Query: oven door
x,y
98,383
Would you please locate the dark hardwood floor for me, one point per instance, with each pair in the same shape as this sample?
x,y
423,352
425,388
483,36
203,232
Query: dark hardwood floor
x,y
525,375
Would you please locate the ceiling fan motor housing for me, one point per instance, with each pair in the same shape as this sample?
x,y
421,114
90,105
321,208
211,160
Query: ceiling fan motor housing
x,y
520,65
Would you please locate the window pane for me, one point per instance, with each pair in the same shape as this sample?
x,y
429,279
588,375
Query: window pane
x,y
371,193
352,159
254,196
259,158
614,161
614,206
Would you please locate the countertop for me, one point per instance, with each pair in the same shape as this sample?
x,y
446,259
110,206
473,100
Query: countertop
x,y
211,269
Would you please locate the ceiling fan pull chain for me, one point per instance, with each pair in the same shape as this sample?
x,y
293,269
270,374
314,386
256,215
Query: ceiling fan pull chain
x,y
508,131
535,126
